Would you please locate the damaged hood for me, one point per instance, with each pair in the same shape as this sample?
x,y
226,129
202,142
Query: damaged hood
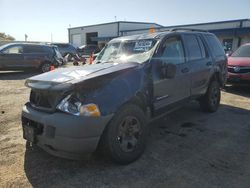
x,y
66,77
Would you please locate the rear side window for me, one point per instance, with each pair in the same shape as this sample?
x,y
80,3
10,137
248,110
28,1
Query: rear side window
x,y
195,48
215,45
204,52
33,49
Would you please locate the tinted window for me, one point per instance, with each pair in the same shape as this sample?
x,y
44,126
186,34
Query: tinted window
x,y
33,49
215,45
172,51
14,50
193,47
204,52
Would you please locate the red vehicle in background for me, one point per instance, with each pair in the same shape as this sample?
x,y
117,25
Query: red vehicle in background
x,y
239,65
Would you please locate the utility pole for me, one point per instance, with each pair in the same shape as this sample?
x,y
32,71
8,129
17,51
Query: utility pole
x,y
51,37
26,37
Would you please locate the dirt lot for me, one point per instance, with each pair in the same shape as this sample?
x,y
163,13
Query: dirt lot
x,y
187,148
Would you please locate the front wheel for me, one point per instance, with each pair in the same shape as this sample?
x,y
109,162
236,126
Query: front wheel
x,y
211,100
124,139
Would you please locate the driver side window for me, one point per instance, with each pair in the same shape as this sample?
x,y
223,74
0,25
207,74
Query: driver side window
x,y
172,51
14,50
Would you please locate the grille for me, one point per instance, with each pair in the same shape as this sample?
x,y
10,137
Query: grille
x,y
239,69
43,100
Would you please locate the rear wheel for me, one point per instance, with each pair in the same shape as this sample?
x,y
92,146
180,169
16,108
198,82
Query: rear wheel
x,y
211,100
45,67
124,139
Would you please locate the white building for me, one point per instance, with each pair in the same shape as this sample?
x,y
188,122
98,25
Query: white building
x,y
232,33
102,33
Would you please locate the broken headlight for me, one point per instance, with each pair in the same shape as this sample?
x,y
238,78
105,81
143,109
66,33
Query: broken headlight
x,y
73,106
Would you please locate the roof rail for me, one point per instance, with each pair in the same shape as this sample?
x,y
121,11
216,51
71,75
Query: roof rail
x,y
188,29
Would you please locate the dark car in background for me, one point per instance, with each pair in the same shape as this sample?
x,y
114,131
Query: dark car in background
x,y
20,56
66,49
87,50
239,65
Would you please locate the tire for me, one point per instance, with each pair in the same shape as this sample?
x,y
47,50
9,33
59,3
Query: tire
x,y
211,100
124,139
45,67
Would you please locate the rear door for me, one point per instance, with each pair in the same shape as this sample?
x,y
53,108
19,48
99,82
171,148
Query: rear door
x,y
168,91
200,62
12,57
33,55
219,57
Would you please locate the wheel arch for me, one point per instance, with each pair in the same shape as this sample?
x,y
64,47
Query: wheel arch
x,y
216,76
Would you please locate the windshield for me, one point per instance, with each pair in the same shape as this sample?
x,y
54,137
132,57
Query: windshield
x,y
4,46
243,51
130,50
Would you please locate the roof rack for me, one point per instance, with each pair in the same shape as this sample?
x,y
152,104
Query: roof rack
x,y
188,29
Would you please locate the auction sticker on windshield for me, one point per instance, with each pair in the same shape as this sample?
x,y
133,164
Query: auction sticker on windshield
x,y
143,45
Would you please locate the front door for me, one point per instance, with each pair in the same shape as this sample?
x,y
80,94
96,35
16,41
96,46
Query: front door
x,y
169,91
12,57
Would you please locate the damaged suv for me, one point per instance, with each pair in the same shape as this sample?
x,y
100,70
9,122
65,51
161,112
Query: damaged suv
x,y
134,79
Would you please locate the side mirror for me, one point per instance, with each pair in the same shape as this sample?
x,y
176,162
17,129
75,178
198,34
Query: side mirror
x,y
168,70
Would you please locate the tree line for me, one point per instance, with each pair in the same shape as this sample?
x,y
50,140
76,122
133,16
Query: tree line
x,y
4,36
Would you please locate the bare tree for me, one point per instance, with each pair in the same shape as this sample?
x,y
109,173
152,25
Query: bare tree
x,y
4,36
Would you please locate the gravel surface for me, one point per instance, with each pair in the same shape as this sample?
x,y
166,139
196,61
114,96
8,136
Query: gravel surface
x,y
187,148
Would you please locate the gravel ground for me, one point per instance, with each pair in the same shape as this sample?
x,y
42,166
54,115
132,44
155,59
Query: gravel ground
x,y
187,148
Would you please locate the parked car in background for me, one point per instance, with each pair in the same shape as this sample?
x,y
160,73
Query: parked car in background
x,y
87,50
134,79
239,65
20,56
66,49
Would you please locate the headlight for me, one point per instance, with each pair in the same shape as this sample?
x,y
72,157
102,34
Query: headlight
x,y
72,106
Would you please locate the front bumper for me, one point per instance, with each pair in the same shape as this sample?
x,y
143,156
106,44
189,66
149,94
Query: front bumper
x,y
64,135
238,77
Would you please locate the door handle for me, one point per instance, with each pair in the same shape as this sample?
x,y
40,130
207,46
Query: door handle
x,y
185,70
209,63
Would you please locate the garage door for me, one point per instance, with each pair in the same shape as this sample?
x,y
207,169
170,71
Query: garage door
x,y
76,40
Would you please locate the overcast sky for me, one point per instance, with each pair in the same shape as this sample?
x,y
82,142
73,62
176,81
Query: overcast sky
x,y
41,18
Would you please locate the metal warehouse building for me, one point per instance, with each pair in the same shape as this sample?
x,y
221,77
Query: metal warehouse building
x,y
102,33
231,33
